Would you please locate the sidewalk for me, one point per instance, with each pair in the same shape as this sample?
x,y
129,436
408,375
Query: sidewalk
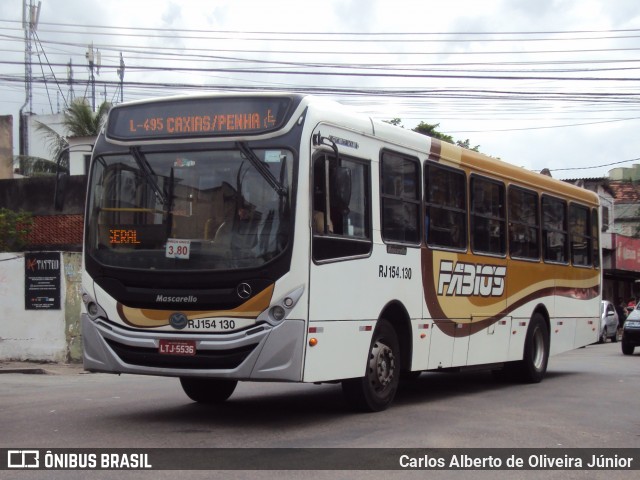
x,y
41,368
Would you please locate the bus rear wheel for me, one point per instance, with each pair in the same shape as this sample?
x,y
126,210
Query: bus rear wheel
x,y
533,366
208,390
376,390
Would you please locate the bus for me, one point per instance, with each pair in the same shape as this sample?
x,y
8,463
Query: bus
x,y
284,237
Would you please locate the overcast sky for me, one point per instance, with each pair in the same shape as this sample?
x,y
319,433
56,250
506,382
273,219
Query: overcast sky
x,y
539,84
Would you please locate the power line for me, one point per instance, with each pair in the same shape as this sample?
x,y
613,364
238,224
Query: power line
x,y
594,166
355,34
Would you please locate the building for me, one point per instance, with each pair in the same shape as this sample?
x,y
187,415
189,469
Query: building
x,y
620,231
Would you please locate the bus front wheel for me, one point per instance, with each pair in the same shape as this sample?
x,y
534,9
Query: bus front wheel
x,y
376,390
208,390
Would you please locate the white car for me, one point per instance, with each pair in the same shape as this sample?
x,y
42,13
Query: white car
x,y
608,322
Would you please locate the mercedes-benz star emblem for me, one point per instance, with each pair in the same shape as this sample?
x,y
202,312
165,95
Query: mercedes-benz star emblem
x,y
243,290
178,320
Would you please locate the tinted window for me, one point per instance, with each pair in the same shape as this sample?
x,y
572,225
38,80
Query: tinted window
x,y
524,224
341,208
580,230
488,234
400,198
554,229
446,207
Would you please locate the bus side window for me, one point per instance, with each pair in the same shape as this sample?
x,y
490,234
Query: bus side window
x,y
524,224
488,234
400,198
340,211
554,230
446,207
579,227
595,233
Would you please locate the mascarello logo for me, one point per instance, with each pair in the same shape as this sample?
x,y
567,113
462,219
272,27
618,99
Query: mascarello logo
x,y
168,299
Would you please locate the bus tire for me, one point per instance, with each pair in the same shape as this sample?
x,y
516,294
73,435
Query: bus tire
x,y
376,390
208,390
533,366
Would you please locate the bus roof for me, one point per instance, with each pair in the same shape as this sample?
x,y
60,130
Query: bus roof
x,y
453,155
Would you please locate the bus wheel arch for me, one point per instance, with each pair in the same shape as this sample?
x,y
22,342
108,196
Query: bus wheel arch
x,y
396,314
537,345
376,390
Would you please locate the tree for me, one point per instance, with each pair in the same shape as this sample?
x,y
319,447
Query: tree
x,y
466,144
36,166
429,129
14,229
395,121
79,121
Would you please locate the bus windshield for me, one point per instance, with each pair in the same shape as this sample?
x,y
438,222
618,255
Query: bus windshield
x,y
190,210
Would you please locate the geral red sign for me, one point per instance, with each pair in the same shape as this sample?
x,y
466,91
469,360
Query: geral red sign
x,y
627,253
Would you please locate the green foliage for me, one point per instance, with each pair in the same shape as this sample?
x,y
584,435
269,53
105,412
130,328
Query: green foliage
x,y
466,144
429,129
54,141
79,121
36,166
14,229
395,121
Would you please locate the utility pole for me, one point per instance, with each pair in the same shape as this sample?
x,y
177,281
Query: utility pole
x,y
70,80
93,57
30,17
121,76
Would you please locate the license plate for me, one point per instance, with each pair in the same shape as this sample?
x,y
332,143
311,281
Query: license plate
x,y
177,347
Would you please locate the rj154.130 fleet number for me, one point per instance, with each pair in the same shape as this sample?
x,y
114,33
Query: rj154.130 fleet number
x,y
394,271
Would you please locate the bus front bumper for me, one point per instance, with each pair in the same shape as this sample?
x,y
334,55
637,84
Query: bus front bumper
x,y
268,353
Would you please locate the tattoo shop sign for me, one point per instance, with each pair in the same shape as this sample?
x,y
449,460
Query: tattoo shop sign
x,y
42,281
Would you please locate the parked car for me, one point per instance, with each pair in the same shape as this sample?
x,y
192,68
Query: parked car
x,y
631,331
608,322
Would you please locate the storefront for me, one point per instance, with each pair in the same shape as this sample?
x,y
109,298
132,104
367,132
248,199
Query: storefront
x,y
622,269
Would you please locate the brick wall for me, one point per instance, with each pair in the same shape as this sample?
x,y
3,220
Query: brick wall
x,y
51,229
56,231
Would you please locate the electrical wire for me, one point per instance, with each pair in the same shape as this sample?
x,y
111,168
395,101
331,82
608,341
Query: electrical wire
x,y
595,81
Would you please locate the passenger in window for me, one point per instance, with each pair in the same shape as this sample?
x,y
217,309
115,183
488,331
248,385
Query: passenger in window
x,y
321,224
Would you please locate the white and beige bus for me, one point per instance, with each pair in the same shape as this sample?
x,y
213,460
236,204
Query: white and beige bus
x,y
281,237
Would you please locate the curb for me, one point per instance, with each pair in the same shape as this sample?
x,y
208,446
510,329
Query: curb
x,y
33,371
41,369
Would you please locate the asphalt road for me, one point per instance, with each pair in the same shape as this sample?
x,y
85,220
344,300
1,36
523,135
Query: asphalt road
x,y
590,398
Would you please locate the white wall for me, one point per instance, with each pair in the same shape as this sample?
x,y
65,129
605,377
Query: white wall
x,y
28,334
38,146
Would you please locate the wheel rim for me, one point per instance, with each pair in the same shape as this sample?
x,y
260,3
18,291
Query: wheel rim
x,y
382,366
538,349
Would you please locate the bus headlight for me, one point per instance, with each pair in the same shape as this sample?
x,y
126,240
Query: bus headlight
x,y
93,309
281,308
277,313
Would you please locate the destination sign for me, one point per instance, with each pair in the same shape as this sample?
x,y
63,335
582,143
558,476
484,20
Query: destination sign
x,y
198,117
123,237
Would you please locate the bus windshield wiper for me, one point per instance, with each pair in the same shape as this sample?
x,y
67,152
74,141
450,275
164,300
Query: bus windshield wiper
x,y
148,174
262,169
